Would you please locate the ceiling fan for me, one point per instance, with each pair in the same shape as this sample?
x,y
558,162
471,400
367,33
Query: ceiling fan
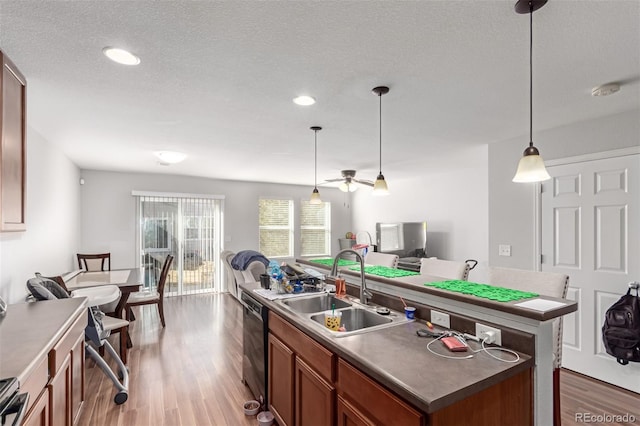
x,y
349,181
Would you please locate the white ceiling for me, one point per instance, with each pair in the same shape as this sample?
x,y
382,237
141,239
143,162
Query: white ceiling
x,y
217,79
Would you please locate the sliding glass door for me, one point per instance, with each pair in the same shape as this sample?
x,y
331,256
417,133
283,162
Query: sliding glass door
x,y
188,228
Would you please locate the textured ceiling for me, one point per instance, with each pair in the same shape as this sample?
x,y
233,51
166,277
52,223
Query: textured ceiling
x,y
217,78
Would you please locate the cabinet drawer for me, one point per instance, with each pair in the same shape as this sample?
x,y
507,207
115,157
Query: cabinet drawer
x,y
305,347
369,397
36,381
66,343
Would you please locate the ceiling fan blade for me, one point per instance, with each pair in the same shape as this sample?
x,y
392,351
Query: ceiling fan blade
x,y
363,182
334,180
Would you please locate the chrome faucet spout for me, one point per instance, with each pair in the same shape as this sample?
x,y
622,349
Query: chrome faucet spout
x,y
365,294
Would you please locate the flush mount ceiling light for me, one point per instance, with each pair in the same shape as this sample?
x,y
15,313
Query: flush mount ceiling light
x,y
380,186
315,195
170,157
304,100
531,166
121,56
605,89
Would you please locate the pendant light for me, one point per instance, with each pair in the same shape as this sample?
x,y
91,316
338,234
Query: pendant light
x,y
531,166
380,186
315,195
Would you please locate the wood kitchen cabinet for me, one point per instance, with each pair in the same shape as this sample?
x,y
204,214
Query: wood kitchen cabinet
x,y
56,385
314,397
13,95
298,393
39,413
281,365
348,415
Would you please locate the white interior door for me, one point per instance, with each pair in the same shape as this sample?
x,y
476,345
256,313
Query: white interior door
x,y
591,232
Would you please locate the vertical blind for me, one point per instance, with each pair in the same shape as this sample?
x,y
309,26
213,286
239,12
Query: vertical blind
x,y
315,229
190,230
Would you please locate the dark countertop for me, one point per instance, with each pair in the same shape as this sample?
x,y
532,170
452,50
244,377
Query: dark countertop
x,y
397,358
30,330
416,283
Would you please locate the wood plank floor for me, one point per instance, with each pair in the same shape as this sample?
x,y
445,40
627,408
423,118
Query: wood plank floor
x,y
190,373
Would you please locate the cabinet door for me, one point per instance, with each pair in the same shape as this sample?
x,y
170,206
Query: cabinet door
x,y
348,415
77,377
314,397
39,413
13,87
281,366
60,395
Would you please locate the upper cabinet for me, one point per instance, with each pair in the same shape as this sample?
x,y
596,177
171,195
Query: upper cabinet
x,y
13,153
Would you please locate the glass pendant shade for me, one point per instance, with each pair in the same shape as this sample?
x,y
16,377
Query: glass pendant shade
x,y
531,167
347,187
315,197
380,186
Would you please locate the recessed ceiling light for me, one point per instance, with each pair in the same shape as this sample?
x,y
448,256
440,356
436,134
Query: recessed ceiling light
x,y
121,56
605,89
304,100
170,157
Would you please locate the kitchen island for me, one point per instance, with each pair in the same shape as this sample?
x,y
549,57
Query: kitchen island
x,y
432,384
388,376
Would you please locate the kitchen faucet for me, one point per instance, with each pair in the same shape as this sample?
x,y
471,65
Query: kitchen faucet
x,y
365,294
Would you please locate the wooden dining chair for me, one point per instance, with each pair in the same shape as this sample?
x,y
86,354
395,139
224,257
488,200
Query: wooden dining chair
x,y
94,262
151,298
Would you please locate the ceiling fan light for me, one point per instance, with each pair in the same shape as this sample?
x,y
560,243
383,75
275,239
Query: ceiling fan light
x,y
380,186
347,187
315,197
531,169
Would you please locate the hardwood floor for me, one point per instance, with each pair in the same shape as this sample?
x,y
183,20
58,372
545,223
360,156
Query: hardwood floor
x,y
190,373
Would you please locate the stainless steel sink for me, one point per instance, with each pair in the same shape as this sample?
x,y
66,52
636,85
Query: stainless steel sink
x,y
356,319
317,303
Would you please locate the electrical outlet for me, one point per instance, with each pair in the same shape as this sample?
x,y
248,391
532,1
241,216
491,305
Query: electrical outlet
x,y
440,318
481,333
504,250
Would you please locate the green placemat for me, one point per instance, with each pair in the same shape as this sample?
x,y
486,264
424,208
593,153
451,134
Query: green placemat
x,y
329,262
384,271
499,294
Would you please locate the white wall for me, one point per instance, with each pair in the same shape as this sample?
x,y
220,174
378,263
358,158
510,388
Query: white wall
x,y
511,205
454,204
108,219
51,240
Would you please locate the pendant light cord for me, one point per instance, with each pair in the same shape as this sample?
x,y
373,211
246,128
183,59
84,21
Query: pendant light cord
x,y
380,130
315,159
530,73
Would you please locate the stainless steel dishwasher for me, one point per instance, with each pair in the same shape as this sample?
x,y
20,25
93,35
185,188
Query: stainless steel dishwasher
x,y
254,346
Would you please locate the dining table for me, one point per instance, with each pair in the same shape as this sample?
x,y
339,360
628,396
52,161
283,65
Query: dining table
x,y
128,280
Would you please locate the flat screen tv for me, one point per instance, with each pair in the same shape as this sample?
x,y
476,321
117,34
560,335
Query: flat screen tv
x,y
406,239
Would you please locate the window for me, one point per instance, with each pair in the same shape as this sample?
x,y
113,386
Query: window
x,y
315,229
276,227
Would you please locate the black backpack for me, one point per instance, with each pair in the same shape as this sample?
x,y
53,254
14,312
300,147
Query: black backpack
x,y
621,330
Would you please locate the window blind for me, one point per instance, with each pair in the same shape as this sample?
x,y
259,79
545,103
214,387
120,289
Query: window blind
x,y
315,229
276,227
